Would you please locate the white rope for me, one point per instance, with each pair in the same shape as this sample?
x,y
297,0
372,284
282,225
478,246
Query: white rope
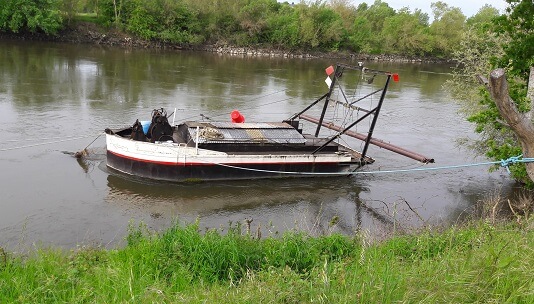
x,y
355,172
40,138
280,172
47,143
504,163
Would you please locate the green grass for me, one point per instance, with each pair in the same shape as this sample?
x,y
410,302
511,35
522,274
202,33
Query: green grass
x,y
482,263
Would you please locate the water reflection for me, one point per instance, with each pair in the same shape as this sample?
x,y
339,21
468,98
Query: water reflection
x,y
316,205
119,79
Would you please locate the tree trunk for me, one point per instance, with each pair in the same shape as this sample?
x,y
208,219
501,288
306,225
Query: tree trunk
x,y
519,122
530,90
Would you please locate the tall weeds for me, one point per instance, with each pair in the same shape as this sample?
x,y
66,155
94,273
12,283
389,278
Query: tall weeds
x,y
484,261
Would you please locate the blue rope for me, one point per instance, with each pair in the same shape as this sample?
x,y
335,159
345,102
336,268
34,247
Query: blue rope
x,y
510,161
504,163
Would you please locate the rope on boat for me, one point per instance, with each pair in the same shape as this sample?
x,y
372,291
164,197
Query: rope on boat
x,y
49,142
83,153
504,163
210,133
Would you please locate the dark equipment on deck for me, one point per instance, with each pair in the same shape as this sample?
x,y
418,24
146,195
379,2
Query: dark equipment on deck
x,y
160,129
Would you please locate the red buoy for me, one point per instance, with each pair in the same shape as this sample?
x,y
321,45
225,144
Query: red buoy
x,y
237,117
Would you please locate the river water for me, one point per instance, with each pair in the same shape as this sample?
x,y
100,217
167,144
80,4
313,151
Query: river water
x,y
55,99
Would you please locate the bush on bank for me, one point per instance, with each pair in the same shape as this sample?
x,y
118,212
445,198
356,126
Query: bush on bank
x,y
327,26
481,262
33,16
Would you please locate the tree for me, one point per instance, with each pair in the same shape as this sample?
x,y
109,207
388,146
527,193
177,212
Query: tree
x,y
284,28
33,16
446,29
320,26
345,10
164,20
518,24
376,15
253,19
483,17
475,55
361,35
404,34
505,107
518,121
515,100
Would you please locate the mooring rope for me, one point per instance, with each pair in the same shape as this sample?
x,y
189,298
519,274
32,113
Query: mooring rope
x,y
48,143
504,163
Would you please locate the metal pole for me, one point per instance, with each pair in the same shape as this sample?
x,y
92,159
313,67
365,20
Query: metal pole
x,y
344,130
196,140
374,141
365,96
326,101
375,117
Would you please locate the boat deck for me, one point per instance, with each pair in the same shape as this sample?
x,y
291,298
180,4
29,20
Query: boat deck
x,y
309,144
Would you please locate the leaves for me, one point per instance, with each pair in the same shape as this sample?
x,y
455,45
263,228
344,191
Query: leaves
x,y
490,42
518,24
33,16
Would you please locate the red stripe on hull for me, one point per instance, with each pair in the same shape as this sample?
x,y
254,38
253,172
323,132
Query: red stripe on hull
x,y
189,172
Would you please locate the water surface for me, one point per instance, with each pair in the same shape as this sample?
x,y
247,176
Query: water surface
x,y
55,99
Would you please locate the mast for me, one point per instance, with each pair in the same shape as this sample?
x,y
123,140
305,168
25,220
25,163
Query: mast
x,y
375,117
327,97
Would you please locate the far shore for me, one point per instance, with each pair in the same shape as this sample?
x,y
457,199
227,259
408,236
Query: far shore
x,y
90,33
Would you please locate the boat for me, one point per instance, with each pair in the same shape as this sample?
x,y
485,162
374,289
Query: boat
x,y
239,150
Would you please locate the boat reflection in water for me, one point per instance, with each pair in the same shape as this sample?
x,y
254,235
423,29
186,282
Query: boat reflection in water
x,y
316,206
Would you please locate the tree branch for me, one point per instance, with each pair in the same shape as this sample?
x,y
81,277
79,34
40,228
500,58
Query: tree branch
x,y
483,81
498,88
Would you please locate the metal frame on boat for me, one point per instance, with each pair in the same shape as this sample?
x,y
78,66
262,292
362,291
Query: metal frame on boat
x,y
205,150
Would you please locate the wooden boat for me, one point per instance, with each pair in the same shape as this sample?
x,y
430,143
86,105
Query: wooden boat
x,y
237,150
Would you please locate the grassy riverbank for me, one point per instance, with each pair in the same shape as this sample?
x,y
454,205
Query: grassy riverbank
x,y
481,262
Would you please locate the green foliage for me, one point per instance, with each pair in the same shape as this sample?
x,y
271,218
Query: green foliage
x,y
483,17
284,28
360,36
405,34
377,13
375,17
480,263
253,19
320,26
493,41
214,257
32,16
334,25
446,29
518,25
497,139
163,20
